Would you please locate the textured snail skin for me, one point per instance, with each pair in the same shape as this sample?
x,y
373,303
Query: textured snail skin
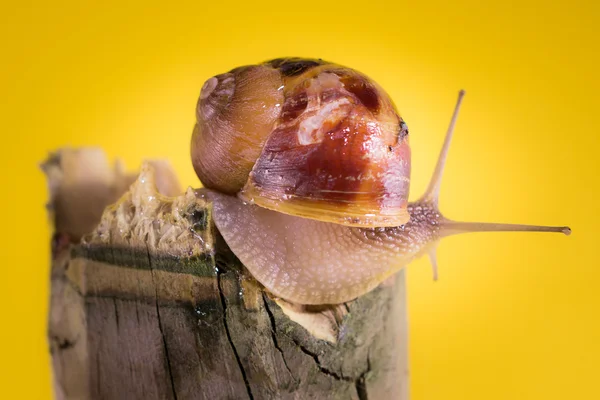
x,y
306,261
307,138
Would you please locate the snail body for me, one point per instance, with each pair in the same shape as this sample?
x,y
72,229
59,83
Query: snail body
x,y
307,164
306,261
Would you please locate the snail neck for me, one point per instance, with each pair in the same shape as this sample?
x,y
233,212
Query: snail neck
x,y
426,218
445,227
429,225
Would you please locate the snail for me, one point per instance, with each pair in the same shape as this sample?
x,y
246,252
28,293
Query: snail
x,y
307,166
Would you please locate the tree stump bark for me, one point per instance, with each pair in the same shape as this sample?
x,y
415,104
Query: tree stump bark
x,y
147,302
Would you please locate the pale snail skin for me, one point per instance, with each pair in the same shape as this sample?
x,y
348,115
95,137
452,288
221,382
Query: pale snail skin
x,y
305,260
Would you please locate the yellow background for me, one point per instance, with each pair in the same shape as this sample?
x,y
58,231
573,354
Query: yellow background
x,y
513,316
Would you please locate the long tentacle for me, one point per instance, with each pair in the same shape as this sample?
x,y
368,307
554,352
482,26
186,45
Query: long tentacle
x,y
447,227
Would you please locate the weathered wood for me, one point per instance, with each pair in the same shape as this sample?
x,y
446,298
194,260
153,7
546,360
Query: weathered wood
x,y
152,305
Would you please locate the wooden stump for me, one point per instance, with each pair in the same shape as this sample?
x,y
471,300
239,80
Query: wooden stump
x,y
151,304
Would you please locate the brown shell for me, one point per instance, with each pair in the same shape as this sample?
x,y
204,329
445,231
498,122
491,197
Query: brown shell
x,y
236,113
337,149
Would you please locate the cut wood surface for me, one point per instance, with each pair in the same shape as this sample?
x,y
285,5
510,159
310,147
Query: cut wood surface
x,y
147,302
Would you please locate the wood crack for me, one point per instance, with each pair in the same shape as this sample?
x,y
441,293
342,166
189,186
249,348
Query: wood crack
x,y
64,343
315,357
235,353
360,382
361,389
274,335
160,325
116,313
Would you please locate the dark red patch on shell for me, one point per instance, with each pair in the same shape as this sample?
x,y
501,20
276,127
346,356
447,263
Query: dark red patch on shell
x,y
334,170
363,90
294,106
294,66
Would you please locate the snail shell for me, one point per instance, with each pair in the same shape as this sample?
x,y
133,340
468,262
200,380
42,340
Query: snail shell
x,y
307,138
